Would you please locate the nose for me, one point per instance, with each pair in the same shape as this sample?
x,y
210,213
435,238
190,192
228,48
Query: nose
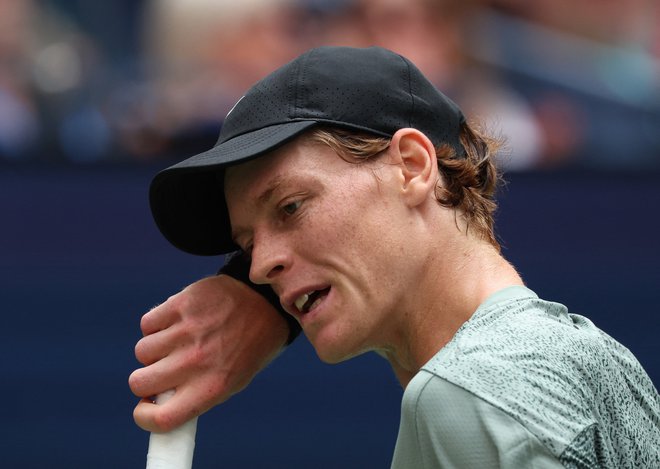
x,y
270,258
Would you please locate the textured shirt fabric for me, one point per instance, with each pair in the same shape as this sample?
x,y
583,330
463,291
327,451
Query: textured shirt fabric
x,y
525,384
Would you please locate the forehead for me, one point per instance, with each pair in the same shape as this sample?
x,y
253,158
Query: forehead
x,y
297,158
270,166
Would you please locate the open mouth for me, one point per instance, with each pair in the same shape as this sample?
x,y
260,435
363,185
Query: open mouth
x,y
308,301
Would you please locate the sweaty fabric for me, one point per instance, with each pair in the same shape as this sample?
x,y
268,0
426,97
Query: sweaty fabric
x,y
525,384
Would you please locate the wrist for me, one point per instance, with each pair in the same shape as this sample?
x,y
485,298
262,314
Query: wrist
x,y
237,266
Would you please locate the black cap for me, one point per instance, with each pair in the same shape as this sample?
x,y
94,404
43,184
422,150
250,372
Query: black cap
x,y
372,90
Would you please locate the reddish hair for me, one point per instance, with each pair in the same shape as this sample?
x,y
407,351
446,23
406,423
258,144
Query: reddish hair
x,y
468,183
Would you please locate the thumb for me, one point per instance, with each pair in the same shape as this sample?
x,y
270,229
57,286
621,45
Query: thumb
x,y
167,412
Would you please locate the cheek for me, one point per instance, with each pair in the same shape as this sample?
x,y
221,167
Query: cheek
x,y
346,226
358,228
363,242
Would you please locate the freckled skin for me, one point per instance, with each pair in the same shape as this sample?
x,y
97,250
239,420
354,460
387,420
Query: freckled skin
x,y
343,215
372,232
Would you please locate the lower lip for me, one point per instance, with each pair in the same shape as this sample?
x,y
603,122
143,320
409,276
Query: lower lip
x,y
310,316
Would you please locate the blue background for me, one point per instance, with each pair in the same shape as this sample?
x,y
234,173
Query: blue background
x,y
81,261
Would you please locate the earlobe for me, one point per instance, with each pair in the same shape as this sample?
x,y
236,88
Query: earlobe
x,y
418,163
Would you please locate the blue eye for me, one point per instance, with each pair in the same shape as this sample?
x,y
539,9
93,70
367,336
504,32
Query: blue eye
x,y
291,207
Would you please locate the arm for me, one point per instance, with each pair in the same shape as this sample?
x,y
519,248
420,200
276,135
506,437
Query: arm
x,y
207,342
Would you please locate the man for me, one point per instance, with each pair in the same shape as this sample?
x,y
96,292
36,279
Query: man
x,y
361,196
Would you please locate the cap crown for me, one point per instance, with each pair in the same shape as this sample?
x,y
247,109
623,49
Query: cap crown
x,y
370,89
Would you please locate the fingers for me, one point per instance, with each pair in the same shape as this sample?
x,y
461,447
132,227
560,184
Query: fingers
x,y
184,364
156,378
188,402
160,317
207,342
158,417
158,345
160,331
145,418
163,417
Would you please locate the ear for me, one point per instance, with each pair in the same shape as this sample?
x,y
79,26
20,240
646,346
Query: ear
x,y
418,164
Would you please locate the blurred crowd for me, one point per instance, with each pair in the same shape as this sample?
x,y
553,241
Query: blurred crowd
x,y
568,84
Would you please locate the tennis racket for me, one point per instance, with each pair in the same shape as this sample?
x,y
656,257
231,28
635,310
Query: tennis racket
x,y
174,449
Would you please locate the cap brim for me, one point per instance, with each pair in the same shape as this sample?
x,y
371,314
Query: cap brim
x,y
187,200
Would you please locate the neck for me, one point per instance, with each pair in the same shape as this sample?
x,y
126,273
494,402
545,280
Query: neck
x,y
451,289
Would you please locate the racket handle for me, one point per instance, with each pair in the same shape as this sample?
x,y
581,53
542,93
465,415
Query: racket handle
x,y
174,449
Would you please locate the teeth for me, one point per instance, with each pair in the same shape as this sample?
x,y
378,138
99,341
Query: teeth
x,y
300,302
313,305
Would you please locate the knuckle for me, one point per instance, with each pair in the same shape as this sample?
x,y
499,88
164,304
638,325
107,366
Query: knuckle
x,y
164,421
135,382
140,351
224,391
181,301
218,389
145,351
197,357
148,319
139,418
145,322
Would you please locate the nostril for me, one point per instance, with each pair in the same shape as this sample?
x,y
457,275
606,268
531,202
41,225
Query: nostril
x,y
275,270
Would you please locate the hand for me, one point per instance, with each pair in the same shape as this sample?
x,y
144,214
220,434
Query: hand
x,y
207,342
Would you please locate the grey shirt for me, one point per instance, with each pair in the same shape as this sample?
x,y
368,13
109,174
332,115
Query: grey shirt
x,y
525,384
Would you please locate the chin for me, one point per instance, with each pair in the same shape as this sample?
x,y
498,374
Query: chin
x,y
333,353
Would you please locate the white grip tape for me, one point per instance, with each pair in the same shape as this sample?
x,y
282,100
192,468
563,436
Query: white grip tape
x,y
174,449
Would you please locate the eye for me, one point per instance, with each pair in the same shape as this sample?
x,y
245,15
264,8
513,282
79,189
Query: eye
x,y
248,251
291,207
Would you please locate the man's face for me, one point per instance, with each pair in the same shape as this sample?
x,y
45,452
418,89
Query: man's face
x,y
332,238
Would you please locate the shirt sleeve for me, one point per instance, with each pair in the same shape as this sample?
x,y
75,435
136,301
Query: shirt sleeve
x,y
445,426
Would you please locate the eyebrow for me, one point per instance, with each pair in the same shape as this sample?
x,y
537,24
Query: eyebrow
x,y
267,193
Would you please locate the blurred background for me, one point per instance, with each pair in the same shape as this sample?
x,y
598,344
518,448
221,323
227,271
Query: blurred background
x,y
96,97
